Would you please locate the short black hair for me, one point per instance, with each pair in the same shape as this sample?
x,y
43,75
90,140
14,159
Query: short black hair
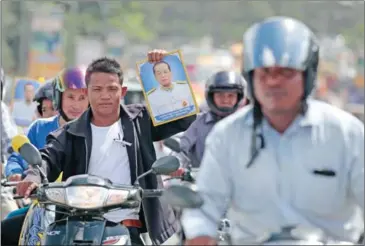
x,y
161,62
28,83
104,65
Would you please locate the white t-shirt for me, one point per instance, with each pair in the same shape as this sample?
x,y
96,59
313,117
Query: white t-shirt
x,y
23,111
109,159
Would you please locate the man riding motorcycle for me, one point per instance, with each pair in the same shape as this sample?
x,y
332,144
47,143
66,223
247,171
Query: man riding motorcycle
x,y
44,98
112,141
288,160
70,100
224,92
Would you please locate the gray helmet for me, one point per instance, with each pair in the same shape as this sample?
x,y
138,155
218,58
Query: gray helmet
x,y
224,81
289,43
44,92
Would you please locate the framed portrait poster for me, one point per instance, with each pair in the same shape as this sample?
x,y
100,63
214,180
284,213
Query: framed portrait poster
x,y
167,89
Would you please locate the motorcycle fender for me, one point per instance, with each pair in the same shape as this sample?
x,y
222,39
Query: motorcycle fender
x,y
55,233
116,234
90,232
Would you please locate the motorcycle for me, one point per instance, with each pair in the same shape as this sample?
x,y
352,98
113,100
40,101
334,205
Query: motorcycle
x,y
185,196
189,175
174,145
84,200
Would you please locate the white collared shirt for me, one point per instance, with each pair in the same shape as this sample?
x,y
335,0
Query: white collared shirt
x,y
164,101
281,187
109,159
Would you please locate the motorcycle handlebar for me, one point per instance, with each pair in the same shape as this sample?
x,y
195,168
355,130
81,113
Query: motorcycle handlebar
x,y
186,175
152,193
9,183
14,191
171,178
33,194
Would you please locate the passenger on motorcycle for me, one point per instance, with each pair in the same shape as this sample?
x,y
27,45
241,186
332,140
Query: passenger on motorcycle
x,y
44,98
70,101
287,160
224,92
112,141
69,97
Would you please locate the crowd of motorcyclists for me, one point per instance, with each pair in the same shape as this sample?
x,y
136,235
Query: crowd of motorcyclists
x,y
264,147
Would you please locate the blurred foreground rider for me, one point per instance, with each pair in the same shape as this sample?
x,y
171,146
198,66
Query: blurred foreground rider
x,y
112,141
44,98
287,160
69,96
224,92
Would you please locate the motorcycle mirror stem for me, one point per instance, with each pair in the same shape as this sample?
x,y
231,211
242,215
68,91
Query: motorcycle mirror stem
x,y
43,175
162,166
136,183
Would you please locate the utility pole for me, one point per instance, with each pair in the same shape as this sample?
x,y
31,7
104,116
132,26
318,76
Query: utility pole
x,y
23,38
104,19
72,9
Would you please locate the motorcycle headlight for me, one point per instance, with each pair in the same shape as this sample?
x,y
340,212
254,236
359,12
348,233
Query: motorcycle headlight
x,y
116,196
86,197
56,195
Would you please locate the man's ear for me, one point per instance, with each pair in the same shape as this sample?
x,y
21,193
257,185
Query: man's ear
x,y
124,91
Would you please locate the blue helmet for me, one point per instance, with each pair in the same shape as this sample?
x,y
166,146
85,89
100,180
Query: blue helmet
x,y
283,42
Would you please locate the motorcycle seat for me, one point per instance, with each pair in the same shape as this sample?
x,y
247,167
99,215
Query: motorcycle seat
x,y
20,211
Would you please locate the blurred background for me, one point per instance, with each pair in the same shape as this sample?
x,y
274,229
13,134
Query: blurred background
x,y
39,38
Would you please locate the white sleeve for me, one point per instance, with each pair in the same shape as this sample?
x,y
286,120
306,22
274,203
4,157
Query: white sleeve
x,y
215,185
14,113
357,163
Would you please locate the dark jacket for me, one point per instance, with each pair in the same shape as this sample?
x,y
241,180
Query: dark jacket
x,y
68,150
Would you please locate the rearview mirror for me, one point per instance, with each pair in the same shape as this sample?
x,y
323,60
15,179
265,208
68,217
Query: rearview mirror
x,y
172,144
165,165
31,155
22,145
183,196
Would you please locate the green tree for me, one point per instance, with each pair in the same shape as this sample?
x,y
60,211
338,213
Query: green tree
x,y
126,16
355,36
94,18
227,20
9,35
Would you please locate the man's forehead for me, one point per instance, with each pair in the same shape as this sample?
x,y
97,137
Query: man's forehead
x,y
29,86
103,78
75,91
161,66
